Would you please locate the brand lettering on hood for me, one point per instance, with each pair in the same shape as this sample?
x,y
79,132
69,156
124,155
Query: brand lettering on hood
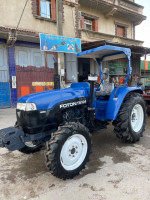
x,y
67,105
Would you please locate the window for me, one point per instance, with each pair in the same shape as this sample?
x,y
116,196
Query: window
x,y
23,58
121,30
37,59
26,56
45,9
50,61
1,57
90,24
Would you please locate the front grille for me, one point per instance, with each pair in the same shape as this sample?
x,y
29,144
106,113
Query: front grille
x,y
31,121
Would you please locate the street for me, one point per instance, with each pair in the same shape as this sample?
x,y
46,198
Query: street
x,y
116,171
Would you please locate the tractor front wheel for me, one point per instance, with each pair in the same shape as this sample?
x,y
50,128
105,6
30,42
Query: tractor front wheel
x,y
31,147
130,123
68,150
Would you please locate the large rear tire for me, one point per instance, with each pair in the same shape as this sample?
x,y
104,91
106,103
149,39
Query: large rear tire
x,y
68,150
130,123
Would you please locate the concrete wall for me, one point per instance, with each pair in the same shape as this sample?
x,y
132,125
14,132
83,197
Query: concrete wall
x,y
11,15
107,25
69,21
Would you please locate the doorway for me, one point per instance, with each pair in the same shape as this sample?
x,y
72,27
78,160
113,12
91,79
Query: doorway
x,y
83,69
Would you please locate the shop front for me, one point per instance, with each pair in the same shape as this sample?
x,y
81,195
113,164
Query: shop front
x,y
34,70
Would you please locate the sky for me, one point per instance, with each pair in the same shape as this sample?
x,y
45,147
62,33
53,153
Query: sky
x,y
143,30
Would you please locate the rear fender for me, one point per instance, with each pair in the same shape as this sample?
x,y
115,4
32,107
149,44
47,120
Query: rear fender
x,y
116,99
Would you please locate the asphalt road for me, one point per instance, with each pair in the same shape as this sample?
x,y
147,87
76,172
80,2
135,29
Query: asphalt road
x,y
116,171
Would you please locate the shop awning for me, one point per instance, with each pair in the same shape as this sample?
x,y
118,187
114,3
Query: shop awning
x,y
105,52
134,49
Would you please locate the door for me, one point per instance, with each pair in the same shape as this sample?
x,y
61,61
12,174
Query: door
x,y
34,70
84,69
71,68
4,79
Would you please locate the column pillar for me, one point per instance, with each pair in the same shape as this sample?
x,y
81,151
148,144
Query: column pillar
x,y
12,72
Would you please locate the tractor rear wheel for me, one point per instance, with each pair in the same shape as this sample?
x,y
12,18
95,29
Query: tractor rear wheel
x,y
68,150
130,123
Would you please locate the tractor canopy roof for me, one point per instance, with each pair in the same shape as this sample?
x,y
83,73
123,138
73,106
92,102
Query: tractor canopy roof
x,y
106,52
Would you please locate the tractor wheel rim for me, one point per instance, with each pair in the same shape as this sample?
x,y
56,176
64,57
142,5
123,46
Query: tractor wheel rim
x,y
30,144
73,152
137,118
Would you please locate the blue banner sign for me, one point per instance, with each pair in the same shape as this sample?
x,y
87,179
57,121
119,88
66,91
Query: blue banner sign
x,y
59,44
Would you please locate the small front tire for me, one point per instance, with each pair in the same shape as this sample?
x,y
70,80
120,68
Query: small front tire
x,y
68,150
31,147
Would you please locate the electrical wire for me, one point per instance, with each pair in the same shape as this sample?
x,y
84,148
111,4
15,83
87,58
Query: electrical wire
x,y
22,14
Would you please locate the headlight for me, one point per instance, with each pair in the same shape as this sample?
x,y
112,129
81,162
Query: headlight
x,y
26,106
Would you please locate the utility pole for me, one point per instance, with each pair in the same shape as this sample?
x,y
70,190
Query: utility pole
x,y
59,15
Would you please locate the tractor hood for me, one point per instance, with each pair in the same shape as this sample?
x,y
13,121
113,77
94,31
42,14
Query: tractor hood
x,y
48,99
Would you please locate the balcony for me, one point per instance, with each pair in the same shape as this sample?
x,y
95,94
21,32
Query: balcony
x,y
124,9
92,36
131,6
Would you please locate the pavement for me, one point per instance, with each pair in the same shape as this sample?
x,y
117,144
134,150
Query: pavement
x,y
116,171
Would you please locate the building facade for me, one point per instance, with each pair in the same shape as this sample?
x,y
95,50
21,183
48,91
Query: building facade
x,y
24,69
114,22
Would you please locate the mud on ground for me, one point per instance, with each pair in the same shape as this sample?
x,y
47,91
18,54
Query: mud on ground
x,y
116,171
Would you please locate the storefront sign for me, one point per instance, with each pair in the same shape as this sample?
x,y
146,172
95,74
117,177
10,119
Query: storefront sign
x,y
42,83
59,44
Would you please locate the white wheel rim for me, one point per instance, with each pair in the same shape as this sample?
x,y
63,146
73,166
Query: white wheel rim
x,y
137,118
30,144
73,152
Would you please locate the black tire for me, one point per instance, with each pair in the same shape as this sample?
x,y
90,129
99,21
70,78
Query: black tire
x,y
122,125
27,149
57,142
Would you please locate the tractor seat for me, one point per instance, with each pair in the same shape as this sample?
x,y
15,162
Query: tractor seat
x,y
105,89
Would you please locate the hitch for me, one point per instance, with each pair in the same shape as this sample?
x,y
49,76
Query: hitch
x,y
14,139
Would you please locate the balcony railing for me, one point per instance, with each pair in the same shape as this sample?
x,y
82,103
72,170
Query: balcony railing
x,y
122,9
105,5
131,6
92,36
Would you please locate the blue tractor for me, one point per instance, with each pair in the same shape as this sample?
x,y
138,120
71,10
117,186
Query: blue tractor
x,y
64,118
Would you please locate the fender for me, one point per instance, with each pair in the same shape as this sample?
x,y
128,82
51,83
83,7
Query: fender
x,y
116,99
